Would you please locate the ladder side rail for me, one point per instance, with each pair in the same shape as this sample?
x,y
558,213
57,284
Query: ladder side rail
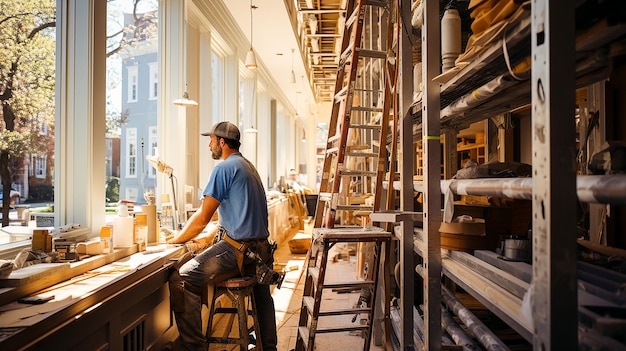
x,y
388,81
355,41
332,126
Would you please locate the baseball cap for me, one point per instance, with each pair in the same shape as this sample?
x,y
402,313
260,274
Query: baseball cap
x,y
225,130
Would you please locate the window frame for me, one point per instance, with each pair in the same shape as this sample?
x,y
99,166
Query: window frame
x,y
132,81
131,159
153,88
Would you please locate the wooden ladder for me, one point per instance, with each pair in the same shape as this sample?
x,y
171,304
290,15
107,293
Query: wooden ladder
x,y
354,168
355,159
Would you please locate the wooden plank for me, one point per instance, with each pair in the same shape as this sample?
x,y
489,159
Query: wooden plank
x,y
521,270
32,273
501,302
504,279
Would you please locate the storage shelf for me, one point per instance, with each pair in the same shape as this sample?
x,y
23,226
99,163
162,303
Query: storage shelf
x,y
465,97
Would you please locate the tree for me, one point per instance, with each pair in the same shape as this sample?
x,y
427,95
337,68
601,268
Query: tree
x,y
27,77
27,82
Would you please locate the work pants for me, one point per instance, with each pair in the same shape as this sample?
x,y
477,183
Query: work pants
x,y
215,264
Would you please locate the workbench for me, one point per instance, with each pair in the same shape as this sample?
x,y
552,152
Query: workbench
x,y
112,301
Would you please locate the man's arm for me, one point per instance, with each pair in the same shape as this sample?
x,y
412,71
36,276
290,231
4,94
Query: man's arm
x,y
198,221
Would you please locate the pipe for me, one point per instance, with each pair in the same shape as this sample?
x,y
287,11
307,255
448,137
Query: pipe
x,y
489,340
604,189
457,333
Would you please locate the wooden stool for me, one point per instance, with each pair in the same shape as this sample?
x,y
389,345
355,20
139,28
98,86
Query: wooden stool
x,y
240,293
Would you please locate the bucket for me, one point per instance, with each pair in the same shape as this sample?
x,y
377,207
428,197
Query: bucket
x,y
517,249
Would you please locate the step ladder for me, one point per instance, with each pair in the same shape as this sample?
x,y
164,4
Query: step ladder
x,y
352,176
355,159
311,322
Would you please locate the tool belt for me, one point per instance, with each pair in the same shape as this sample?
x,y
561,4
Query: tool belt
x,y
240,248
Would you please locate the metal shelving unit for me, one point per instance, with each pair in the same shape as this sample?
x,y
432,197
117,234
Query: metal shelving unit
x,y
546,34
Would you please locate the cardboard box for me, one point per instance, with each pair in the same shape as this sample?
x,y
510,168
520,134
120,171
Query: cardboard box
x,y
42,240
502,218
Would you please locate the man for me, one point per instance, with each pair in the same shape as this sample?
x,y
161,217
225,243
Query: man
x,y
235,190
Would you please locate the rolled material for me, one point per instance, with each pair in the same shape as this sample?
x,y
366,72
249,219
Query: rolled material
x,y
486,337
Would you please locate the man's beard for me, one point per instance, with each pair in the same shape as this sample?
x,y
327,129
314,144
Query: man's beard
x,y
216,153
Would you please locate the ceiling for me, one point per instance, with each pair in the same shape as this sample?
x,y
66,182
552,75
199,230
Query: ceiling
x,y
309,28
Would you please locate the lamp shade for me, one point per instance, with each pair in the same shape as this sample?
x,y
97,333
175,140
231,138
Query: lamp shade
x,y
251,60
185,101
160,166
293,77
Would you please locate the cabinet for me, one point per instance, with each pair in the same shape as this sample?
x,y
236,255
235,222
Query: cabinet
x,y
542,35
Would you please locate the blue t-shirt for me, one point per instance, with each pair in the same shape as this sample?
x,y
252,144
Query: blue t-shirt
x,y
236,184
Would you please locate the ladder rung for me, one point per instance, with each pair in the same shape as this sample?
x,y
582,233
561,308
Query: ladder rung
x,y
354,208
314,272
378,3
341,329
368,90
367,109
352,284
372,53
362,154
332,150
358,147
304,335
341,94
324,196
351,173
309,302
353,16
334,138
365,126
344,58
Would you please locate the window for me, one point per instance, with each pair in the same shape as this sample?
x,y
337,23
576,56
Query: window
x,y
28,82
44,128
154,80
131,152
131,194
40,166
152,148
131,117
132,83
217,86
38,163
109,157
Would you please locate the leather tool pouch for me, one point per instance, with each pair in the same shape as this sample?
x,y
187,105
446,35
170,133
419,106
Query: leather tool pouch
x,y
240,248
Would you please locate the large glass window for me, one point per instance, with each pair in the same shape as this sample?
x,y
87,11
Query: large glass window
x,y
152,148
217,86
132,93
27,81
154,80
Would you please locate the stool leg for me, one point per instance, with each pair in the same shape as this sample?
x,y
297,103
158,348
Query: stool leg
x,y
255,320
243,306
216,294
243,320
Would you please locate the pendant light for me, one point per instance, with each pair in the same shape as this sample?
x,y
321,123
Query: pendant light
x,y
185,101
251,57
293,74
